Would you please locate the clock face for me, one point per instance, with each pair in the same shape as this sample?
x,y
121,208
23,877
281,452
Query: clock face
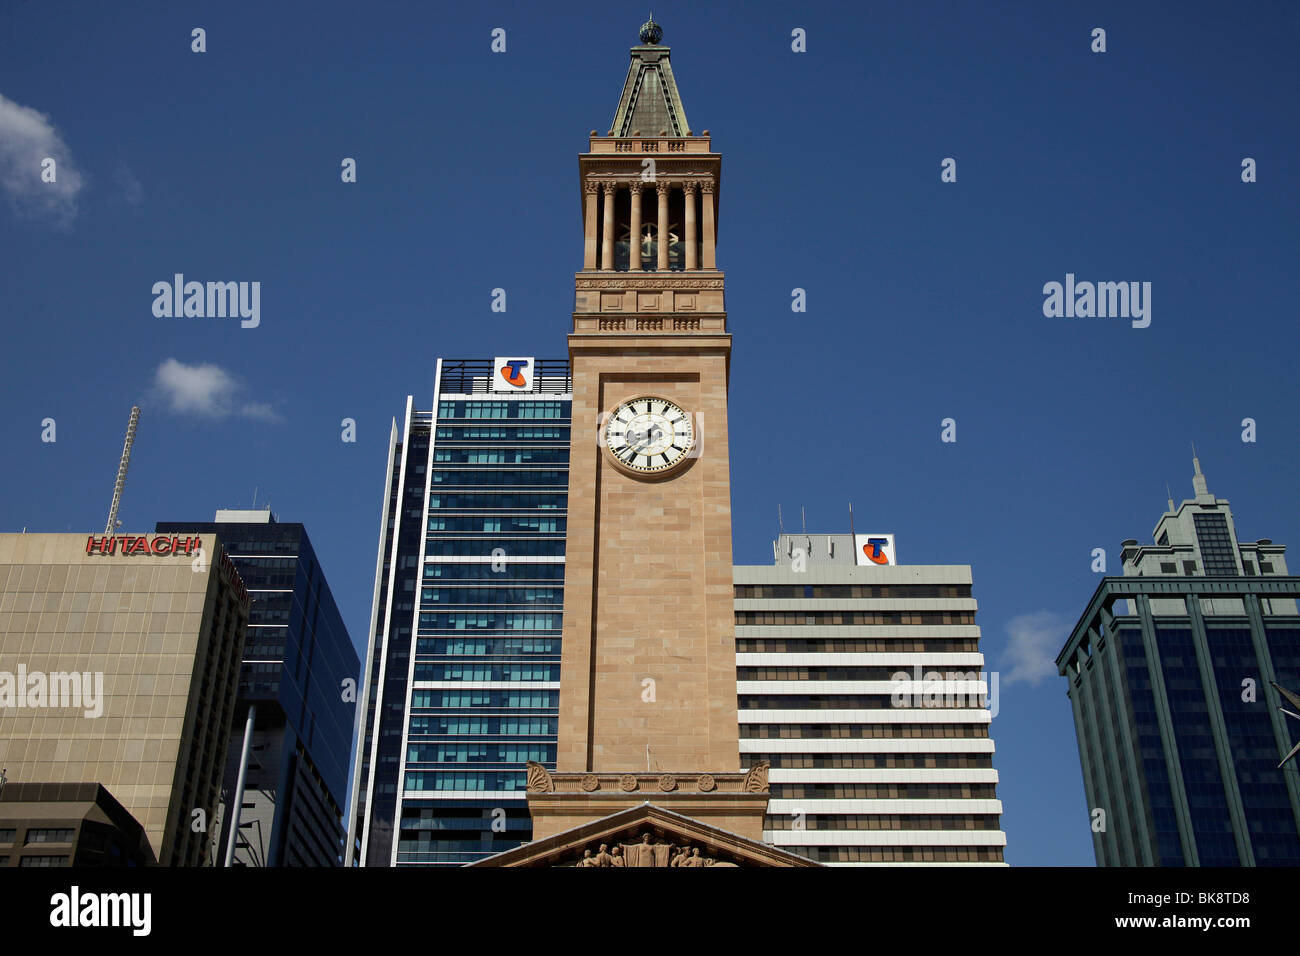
x,y
649,435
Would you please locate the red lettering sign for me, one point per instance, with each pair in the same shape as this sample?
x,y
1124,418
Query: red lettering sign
x,y
133,544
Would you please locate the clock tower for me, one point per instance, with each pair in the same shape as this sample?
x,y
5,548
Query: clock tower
x,y
648,674
647,764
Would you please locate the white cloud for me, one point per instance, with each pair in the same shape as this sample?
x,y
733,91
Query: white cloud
x,y
1033,642
27,138
128,187
208,391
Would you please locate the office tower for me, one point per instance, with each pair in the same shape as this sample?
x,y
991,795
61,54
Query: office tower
x,y
470,563
297,657
119,657
1170,672
862,682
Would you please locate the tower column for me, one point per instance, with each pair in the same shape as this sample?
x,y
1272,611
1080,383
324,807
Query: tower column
x,y
607,246
710,228
692,258
663,189
634,257
591,189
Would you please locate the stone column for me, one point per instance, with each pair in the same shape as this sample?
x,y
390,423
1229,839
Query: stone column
x,y
692,259
607,245
710,228
663,225
634,257
592,190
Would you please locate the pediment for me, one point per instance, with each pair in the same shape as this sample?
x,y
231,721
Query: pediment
x,y
646,836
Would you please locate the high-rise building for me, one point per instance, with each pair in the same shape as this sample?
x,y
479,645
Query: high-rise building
x,y
861,681
297,657
1170,672
470,564
119,658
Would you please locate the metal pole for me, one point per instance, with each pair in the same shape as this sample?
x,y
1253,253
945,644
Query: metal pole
x,y
237,803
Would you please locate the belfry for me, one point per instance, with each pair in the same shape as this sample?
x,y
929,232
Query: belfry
x,y
647,765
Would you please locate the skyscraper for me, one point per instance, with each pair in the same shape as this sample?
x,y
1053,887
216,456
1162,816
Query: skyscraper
x,y
470,563
1178,728
861,681
297,656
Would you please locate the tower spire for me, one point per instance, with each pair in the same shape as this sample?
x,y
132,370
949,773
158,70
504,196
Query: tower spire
x,y
650,104
1198,479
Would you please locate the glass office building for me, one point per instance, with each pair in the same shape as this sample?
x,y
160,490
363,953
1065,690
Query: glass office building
x,y
297,654
1170,673
471,569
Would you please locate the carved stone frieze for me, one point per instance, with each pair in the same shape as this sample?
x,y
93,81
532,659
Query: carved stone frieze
x,y
647,852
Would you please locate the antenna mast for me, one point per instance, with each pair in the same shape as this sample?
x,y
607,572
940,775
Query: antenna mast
x,y
121,469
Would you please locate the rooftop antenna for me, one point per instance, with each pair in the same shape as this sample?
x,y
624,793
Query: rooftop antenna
x,y
1170,496
780,524
255,497
113,523
1198,479
850,519
803,521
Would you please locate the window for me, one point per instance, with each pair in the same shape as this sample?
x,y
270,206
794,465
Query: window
x,y
1216,544
1189,567
1168,567
43,861
1248,567
50,835
1265,568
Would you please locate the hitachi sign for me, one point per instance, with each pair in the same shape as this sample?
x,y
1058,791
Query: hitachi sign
x,y
128,544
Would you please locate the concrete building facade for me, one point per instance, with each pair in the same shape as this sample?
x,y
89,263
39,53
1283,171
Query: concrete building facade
x,y
863,685
119,659
68,824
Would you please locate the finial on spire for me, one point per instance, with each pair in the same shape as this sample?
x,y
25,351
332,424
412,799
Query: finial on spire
x,y
651,33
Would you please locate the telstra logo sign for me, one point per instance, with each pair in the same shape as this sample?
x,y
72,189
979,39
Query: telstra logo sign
x,y
512,374
875,549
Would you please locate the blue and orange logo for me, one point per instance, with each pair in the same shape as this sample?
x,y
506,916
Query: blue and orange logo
x,y
513,372
874,549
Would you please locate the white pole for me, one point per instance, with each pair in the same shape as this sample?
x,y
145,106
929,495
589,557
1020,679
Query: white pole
x,y
238,801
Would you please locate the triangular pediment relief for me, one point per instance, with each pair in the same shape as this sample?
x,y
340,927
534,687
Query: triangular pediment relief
x,y
646,836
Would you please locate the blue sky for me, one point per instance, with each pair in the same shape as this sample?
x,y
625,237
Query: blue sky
x,y
924,298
